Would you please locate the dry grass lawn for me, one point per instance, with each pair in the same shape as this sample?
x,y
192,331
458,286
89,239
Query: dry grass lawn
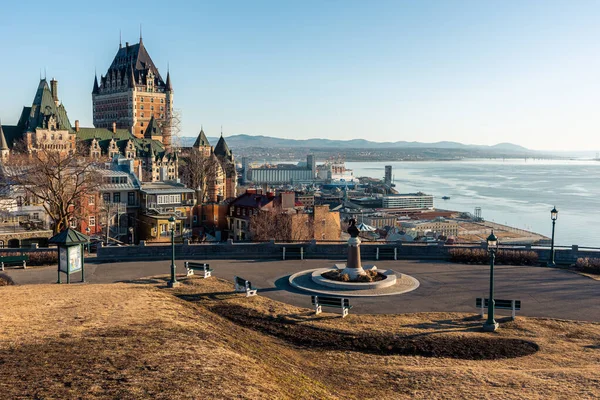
x,y
201,341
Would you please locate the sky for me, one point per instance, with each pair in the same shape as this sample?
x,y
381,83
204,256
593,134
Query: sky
x,y
475,72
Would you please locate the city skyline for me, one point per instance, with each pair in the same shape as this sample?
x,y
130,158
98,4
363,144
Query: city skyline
x,y
465,72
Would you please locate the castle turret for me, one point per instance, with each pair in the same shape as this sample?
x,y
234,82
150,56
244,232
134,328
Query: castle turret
x,y
4,150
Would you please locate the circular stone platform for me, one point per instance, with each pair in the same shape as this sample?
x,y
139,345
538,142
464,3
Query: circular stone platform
x,y
303,280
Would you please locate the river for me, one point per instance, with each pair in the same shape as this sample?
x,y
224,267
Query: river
x,y
519,193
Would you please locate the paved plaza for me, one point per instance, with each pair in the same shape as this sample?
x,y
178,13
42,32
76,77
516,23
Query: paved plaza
x,y
544,292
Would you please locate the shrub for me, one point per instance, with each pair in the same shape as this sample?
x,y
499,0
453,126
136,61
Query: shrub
x,y
587,264
481,256
6,280
345,277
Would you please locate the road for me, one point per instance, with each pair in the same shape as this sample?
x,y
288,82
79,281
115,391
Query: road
x,y
544,292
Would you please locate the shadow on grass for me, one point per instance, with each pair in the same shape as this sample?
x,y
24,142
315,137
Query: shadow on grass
x,y
294,329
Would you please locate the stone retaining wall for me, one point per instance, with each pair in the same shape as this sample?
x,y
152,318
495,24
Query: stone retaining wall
x,y
311,250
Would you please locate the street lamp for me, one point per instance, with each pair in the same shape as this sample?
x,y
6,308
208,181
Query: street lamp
x,y
88,230
491,325
173,282
553,216
131,233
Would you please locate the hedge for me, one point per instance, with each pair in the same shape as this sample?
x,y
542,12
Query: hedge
x,y
591,265
37,257
482,256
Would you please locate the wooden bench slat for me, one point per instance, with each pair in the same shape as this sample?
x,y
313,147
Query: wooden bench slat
x,y
499,304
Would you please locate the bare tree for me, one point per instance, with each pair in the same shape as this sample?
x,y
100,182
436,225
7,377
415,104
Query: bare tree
x,y
61,181
280,225
199,172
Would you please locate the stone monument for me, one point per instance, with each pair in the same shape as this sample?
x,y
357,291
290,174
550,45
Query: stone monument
x,y
354,267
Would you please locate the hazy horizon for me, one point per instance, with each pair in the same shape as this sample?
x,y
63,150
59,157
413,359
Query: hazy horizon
x,y
468,72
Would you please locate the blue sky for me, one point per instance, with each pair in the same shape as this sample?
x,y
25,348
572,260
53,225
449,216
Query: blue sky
x,y
467,71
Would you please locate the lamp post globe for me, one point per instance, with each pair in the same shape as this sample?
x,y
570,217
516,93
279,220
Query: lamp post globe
x,y
173,281
553,217
490,324
131,234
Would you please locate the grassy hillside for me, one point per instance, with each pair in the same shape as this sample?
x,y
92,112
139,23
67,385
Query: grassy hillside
x,y
202,341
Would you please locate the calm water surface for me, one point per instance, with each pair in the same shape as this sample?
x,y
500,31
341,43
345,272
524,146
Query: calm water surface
x,y
518,193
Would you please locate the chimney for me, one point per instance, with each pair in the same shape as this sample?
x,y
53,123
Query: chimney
x,y
76,125
54,90
114,127
251,190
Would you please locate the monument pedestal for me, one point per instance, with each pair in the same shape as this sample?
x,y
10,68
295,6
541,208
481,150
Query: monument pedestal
x,y
354,268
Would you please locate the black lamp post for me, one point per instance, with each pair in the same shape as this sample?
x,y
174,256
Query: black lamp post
x,y
491,325
173,282
553,216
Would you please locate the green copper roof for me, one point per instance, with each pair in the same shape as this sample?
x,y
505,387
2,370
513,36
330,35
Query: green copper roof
x,y
44,107
201,140
69,237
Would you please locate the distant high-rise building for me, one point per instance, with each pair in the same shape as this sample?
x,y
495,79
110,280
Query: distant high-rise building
x,y
388,175
311,164
132,93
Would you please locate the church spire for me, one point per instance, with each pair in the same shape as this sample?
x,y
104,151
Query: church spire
x,y
168,86
96,89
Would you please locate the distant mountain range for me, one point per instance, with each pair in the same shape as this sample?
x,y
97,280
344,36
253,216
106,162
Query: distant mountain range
x,y
245,141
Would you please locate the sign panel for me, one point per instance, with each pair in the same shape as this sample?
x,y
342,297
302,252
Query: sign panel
x,y
63,260
74,259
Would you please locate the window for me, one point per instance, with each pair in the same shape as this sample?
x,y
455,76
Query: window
x,y
36,215
116,197
91,200
92,221
106,197
142,99
142,107
142,115
195,218
151,108
73,223
162,101
152,100
131,198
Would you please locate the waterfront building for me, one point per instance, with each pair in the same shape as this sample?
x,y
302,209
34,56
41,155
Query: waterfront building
x,y
335,172
437,226
284,173
132,93
405,201
388,175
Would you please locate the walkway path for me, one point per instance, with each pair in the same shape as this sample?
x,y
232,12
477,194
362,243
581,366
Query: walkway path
x,y
544,292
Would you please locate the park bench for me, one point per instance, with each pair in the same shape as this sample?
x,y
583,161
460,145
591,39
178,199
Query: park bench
x,y
22,259
334,302
386,253
292,253
514,305
244,286
202,267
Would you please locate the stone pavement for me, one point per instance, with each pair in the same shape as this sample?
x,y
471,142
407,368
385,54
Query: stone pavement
x,y
544,292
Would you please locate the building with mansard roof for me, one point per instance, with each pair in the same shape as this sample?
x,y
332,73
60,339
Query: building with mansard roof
x,y
45,125
132,93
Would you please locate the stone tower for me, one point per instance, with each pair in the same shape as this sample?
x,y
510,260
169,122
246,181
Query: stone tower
x,y
132,93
